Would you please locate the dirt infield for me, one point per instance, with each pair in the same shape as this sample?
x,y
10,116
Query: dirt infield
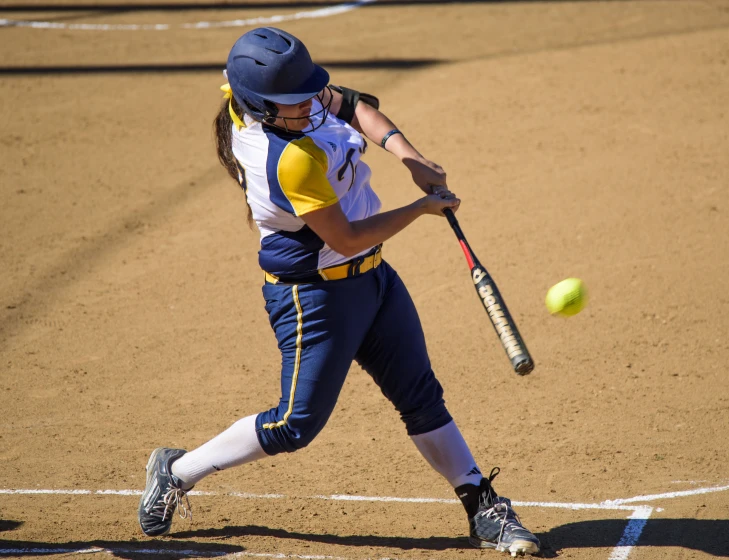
x,y
586,139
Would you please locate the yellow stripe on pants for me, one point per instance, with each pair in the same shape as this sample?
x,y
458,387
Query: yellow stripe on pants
x,y
297,361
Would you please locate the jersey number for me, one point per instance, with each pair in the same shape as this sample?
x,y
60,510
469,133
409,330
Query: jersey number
x,y
348,163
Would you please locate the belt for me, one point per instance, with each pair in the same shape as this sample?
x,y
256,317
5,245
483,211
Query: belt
x,y
355,267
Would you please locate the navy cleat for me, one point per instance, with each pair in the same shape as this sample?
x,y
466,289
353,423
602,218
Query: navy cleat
x,y
163,494
499,527
493,523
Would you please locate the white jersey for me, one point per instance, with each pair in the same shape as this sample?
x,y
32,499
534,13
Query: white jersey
x,y
285,175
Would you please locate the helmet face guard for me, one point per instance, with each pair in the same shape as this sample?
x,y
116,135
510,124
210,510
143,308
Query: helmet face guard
x,y
325,98
268,66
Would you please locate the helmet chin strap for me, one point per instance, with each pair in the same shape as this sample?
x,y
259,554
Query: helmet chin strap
x,y
270,119
286,124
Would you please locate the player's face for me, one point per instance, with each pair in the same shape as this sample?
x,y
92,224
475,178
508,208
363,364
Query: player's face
x,y
293,117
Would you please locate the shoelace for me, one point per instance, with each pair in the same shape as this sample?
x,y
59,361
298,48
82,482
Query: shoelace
x,y
172,500
502,512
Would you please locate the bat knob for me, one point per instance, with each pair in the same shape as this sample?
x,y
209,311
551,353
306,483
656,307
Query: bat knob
x,y
524,366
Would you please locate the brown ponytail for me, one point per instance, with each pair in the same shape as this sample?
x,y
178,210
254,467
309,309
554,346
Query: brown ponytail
x,y
222,125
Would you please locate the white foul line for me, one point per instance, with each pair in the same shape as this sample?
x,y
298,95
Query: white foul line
x,y
667,495
332,497
563,505
351,498
617,504
264,20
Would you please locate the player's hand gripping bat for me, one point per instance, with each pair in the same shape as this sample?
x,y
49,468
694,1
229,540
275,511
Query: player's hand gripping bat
x,y
494,304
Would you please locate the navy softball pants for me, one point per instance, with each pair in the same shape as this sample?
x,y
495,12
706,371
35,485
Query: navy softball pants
x,y
321,328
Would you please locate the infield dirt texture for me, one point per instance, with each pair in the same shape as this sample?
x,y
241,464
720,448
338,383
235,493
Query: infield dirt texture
x,y
586,139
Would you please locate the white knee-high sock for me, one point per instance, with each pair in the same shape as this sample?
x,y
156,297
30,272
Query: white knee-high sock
x,y
447,452
235,446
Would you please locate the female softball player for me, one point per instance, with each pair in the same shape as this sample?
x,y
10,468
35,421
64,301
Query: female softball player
x,y
295,146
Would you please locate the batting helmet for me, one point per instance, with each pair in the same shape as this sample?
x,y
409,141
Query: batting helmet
x,y
268,65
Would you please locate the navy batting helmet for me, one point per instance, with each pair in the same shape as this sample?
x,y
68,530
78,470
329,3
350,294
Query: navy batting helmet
x,y
268,65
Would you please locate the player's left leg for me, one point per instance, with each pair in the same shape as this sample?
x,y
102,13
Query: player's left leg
x,y
395,355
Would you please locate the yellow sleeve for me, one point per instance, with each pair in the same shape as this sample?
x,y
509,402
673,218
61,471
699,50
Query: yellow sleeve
x,y
302,174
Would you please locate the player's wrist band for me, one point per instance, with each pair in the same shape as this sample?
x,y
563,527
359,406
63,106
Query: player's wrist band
x,y
386,137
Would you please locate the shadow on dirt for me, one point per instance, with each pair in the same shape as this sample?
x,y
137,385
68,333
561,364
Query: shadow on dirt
x,y
245,5
402,543
7,525
710,536
131,550
378,64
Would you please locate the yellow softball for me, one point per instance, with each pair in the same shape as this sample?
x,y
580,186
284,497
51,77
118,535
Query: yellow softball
x,y
567,298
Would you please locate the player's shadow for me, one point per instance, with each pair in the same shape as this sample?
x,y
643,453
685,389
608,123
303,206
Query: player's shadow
x,y
710,536
403,543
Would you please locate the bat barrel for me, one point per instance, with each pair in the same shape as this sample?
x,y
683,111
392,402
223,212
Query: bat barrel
x,y
494,305
502,321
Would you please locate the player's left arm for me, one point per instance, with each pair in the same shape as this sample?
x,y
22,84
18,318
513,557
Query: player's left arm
x,y
366,118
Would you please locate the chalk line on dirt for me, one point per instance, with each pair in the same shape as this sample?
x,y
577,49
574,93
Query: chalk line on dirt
x,y
617,504
633,530
631,534
263,20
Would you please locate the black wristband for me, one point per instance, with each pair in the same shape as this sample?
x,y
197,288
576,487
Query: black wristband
x,y
386,137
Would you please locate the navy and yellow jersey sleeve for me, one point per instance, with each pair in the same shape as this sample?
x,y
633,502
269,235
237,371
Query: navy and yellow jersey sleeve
x,y
299,184
289,174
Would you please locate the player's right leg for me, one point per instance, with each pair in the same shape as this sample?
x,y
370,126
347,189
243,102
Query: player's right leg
x,y
162,495
319,328
318,336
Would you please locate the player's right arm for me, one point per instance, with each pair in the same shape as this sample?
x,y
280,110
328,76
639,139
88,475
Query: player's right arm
x,y
303,180
349,238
